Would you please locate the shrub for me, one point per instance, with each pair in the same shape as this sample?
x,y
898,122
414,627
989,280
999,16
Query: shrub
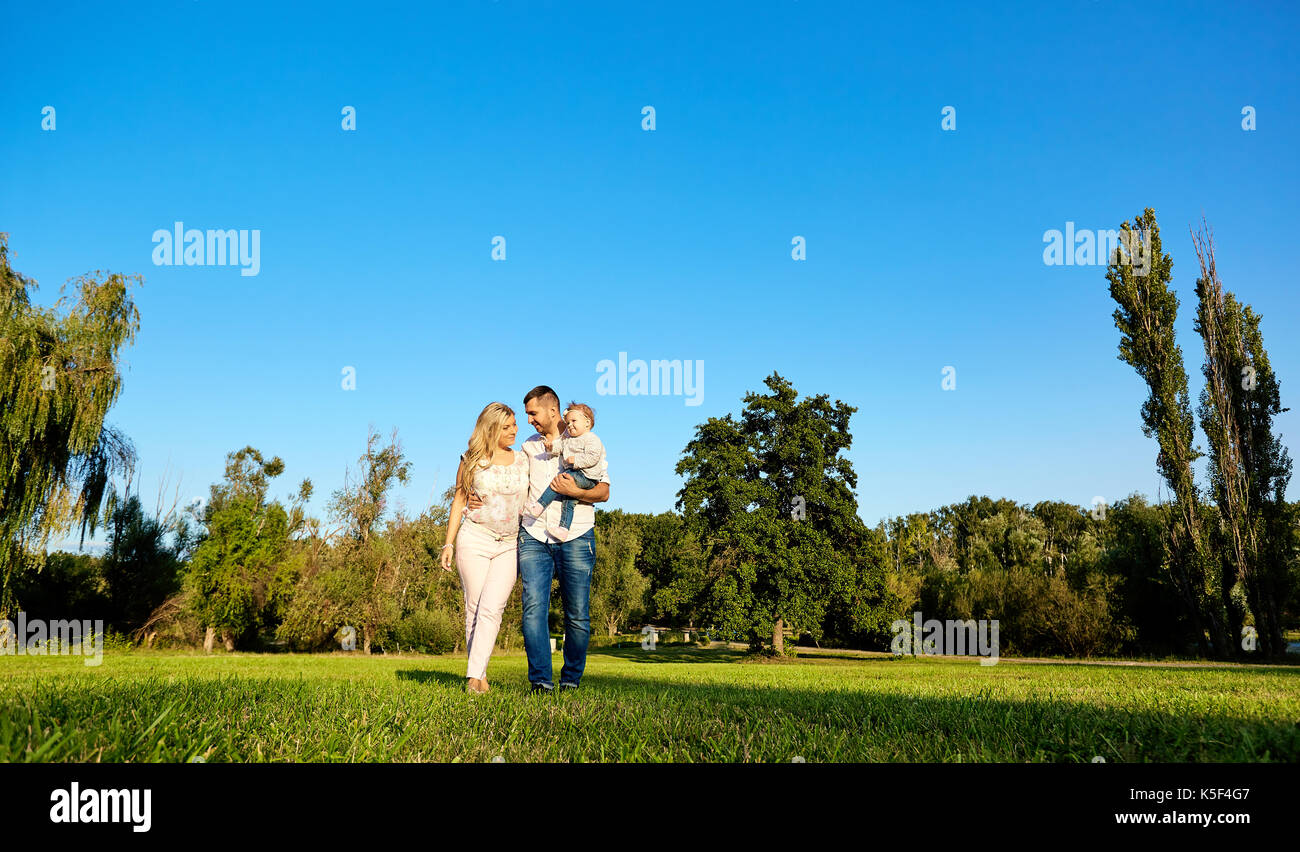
x,y
428,630
116,642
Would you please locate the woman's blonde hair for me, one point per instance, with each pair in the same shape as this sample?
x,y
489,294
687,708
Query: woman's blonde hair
x,y
483,443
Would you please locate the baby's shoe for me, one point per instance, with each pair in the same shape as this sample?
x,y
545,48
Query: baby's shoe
x,y
534,509
561,533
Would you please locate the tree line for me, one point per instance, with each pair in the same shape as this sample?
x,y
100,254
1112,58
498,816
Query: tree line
x,y
764,544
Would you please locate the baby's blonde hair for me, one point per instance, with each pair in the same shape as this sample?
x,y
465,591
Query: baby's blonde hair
x,y
585,409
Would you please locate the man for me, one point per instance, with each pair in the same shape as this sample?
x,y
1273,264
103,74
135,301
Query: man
x,y
543,558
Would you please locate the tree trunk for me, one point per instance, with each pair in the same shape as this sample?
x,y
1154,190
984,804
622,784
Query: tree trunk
x,y
1268,626
228,640
1236,618
778,636
1276,643
369,634
209,639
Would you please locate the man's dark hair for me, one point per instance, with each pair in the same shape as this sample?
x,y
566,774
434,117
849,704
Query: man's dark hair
x,y
545,393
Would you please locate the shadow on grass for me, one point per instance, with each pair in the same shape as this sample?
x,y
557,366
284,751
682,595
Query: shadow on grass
x,y
863,657
431,676
670,654
695,654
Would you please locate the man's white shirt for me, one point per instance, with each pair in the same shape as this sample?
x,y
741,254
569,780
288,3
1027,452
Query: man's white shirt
x,y
543,467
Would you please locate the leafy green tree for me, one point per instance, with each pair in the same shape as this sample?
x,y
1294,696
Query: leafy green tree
x,y
980,532
140,567
771,499
374,574
1134,552
673,561
1249,467
1145,318
1037,571
366,581
68,585
241,574
1070,535
58,379
909,540
866,601
667,557
334,592
618,590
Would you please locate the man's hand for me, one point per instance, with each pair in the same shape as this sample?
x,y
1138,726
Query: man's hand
x,y
565,486
474,503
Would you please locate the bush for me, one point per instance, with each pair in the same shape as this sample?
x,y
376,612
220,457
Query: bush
x,y
428,630
1038,613
116,642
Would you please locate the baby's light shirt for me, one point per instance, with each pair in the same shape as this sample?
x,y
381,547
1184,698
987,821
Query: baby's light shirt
x,y
587,451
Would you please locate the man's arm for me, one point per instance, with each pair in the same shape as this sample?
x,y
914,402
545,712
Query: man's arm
x,y
564,485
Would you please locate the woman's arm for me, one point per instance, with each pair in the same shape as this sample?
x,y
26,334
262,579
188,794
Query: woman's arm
x,y
453,520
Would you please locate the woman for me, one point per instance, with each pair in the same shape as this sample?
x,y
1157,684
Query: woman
x,y
486,538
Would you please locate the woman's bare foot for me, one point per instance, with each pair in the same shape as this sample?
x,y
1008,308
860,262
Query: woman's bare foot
x,y
476,685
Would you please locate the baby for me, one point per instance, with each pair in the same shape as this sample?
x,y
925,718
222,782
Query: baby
x,y
583,458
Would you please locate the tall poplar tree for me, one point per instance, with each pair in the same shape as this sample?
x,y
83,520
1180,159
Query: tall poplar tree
x,y
1249,468
1145,318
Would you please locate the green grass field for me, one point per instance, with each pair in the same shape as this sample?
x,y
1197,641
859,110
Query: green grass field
x,y
672,704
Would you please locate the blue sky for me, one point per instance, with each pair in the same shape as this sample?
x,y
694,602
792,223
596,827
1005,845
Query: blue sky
x,y
924,247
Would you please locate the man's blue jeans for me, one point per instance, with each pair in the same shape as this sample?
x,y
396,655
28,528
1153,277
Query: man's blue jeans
x,y
581,480
572,562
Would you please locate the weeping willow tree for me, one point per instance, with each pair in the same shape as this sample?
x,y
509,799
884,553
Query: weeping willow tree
x,y
58,378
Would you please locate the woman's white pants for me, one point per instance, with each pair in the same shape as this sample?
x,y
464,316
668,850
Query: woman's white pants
x,y
488,568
